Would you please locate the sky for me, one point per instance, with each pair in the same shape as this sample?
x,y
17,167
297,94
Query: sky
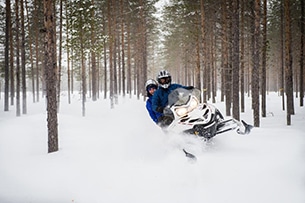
x,y
119,155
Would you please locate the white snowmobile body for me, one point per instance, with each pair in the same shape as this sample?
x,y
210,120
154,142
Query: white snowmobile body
x,y
189,115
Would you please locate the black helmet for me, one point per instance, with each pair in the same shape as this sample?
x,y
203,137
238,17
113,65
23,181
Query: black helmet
x,y
166,78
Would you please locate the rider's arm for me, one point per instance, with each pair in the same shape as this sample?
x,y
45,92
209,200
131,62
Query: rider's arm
x,y
156,104
152,114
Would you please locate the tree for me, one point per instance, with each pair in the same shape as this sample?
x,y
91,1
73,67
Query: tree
x,y
31,50
80,26
36,28
264,60
12,69
17,60
143,46
93,56
123,48
50,76
282,82
242,58
288,63
202,26
111,42
68,53
129,85
60,52
302,53
255,61
226,67
224,51
23,70
7,33
235,62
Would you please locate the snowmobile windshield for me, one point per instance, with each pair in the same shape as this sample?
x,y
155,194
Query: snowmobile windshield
x,y
181,96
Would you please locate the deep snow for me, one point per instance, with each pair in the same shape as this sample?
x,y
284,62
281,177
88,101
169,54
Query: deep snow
x,y
119,155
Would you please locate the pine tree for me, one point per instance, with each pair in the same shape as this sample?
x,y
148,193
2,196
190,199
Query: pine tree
x,y
50,76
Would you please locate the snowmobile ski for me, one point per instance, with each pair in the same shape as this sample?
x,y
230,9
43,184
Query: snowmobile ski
x,y
247,126
189,155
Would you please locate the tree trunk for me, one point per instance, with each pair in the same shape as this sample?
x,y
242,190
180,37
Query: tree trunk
x,y
12,71
255,71
235,62
264,60
105,70
282,82
123,49
23,71
31,51
93,58
302,53
114,51
129,86
288,63
213,62
144,46
36,48
50,76
242,60
118,47
225,66
110,25
6,69
60,53
202,39
115,66
83,64
197,69
17,61
83,73
142,50
72,73
105,56
68,55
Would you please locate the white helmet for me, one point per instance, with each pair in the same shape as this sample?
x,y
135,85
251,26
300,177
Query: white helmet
x,y
150,83
164,79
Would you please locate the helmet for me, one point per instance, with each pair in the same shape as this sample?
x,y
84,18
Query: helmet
x,y
166,78
150,83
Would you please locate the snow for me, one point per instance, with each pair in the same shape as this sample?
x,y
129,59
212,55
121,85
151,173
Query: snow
x,y
119,155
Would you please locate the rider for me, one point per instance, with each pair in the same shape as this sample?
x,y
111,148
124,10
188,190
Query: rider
x,y
151,86
160,97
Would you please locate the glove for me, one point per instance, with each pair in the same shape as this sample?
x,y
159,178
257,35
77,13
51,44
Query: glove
x,y
189,87
159,109
164,121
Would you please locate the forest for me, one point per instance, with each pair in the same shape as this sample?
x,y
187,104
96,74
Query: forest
x,y
109,48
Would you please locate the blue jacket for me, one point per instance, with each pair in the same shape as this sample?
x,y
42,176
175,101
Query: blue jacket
x,y
160,97
154,115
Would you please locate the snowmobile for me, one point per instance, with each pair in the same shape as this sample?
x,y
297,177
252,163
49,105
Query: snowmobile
x,y
186,114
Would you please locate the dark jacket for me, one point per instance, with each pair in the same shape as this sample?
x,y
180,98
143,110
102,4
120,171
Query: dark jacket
x,y
160,97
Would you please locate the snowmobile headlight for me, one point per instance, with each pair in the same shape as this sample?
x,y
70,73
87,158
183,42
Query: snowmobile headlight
x,y
183,110
193,103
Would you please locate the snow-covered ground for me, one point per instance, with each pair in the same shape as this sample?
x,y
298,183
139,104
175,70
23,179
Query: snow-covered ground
x,y
120,156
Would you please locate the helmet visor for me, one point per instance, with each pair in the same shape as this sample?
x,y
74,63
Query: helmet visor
x,y
151,86
164,81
